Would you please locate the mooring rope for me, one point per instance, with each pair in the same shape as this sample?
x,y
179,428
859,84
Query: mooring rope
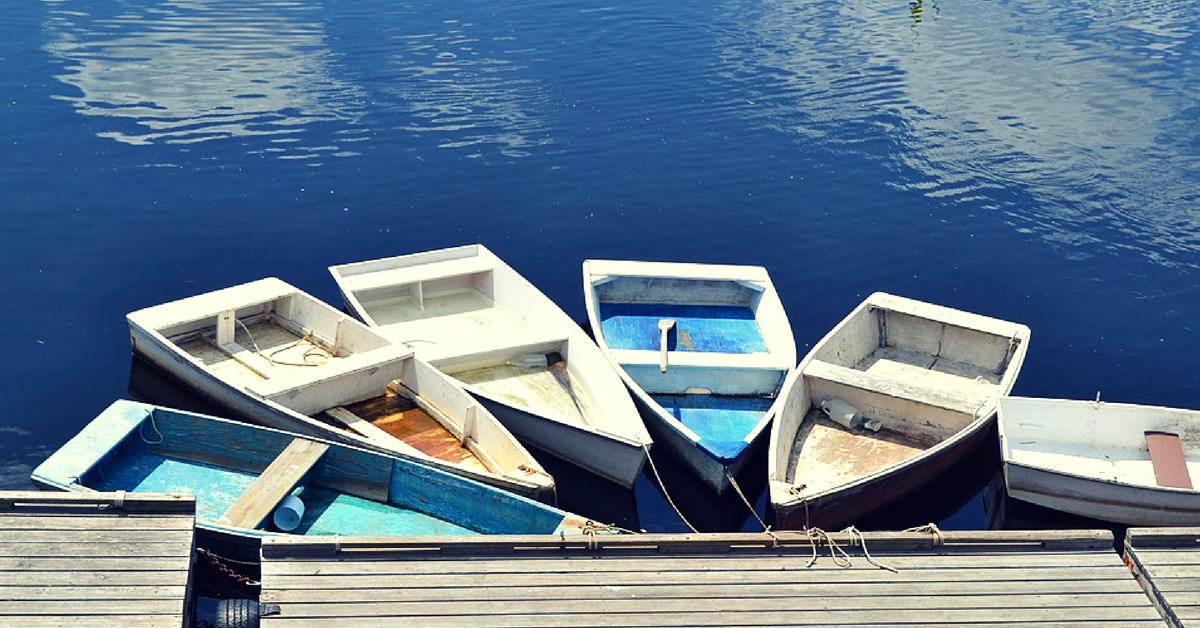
x,y
857,538
932,529
766,528
817,535
840,557
658,478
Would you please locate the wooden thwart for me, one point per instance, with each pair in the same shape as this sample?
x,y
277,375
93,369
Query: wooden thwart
x,y
276,481
1170,463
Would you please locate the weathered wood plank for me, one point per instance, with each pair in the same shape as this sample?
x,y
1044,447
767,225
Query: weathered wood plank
x,y
1004,565
81,559
92,537
277,480
701,596
729,620
126,548
99,621
586,615
162,606
11,522
133,577
36,503
102,564
75,592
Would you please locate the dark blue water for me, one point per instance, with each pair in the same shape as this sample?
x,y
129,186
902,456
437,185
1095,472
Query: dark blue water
x,y
1035,161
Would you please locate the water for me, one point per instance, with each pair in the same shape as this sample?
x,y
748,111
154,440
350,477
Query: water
x,y
1034,161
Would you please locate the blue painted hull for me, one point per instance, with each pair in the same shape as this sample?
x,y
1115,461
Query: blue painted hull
x,y
139,447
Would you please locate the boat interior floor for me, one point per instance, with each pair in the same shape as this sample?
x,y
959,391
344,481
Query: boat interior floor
x,y
263,350
827,455
545,390
402,418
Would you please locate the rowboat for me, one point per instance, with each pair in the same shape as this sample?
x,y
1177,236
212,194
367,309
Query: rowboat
x,y
275,355
475,318
703,347
1124,463
252,481
889,399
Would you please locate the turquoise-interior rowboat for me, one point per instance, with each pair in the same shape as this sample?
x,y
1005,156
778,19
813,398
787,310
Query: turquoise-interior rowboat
x,y
241,474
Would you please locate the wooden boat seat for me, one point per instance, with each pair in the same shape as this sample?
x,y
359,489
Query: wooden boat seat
x,y
892,387
409,275
277,480
335,383
1170,463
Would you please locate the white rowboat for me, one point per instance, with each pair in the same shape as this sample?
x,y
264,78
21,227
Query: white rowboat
x,y
704,348
909,387
475,318
1123,463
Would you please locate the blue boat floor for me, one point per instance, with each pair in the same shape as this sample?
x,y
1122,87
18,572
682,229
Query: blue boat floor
x,y
721,422
326,511
698,328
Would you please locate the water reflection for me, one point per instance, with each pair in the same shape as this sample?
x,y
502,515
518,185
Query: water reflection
x,y
184,71
465,76
1069,117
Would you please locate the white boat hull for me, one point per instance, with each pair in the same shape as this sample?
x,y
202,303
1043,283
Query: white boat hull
x,y
1091,459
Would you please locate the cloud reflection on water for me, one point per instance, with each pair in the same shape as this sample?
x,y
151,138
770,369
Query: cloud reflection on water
x,y
1077,120
186,71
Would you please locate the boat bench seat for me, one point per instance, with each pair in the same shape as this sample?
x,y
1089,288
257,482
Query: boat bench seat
x,y
1168,459
335,383
892,387
276,481
408,275
721,373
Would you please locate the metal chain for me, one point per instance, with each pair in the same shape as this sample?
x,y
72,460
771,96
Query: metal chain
x,y
225,569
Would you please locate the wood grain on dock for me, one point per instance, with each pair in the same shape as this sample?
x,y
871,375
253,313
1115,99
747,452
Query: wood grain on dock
x,y
961,579
1166,561
95,559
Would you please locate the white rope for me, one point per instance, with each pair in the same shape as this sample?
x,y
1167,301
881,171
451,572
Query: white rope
x,y
932,529
857,538
766,528
658,479
141,426
817,535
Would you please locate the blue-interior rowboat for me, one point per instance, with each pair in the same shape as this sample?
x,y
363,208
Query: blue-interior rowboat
x,y
241,474
704,348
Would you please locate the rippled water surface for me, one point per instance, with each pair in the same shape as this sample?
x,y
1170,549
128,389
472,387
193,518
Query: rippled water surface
x,y
1035,161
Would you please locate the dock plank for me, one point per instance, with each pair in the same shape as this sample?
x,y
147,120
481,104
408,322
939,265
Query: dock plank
x,y
1051,579
95,559
1166,562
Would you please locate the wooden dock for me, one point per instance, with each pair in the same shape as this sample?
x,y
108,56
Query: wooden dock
x,y
1166,561
959,579
96,559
